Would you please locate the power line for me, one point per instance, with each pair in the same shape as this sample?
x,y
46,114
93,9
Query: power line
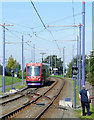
x,y
73,17
38,14
43,22
66,18
73,11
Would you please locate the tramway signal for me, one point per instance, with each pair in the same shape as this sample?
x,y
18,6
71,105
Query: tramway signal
x,y
74,70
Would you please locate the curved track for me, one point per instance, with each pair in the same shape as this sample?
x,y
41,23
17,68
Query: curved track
x,y
27,104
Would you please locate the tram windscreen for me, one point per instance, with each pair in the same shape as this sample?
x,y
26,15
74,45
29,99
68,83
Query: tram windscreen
x,y
33,70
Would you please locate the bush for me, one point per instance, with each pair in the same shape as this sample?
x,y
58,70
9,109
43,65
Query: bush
x,y
90,78
7,73
20,75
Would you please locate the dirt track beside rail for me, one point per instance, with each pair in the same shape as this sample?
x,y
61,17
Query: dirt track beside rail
x,y
57,111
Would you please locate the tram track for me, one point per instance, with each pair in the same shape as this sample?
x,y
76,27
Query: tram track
x,y
39,107
40,114
26,104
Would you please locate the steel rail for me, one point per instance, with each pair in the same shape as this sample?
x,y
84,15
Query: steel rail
x,y
33,101
14,93
10,100
49,104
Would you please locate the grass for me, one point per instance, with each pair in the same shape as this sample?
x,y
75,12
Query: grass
x,y
16,87
8,80
0,80
57,76
78,112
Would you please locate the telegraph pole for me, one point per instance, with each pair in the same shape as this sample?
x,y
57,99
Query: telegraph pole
x,y
22,60
83,46
80,57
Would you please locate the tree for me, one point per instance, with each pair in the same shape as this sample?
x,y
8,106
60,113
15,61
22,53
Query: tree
x,y
11,62
52,63
1,69
89,69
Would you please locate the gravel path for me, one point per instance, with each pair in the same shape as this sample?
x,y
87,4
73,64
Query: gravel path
x,y
58,111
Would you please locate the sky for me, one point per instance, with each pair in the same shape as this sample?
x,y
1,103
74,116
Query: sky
x,y
21,19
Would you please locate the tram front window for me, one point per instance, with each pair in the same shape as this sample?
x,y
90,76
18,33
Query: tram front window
x,y
33,71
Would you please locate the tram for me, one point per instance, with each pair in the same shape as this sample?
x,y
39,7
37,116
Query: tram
x,y
37,74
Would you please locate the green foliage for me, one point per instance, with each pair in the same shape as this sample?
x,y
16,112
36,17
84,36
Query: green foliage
x,y
20,74
89,69
1,80
59,64
8,80
1,69
11,62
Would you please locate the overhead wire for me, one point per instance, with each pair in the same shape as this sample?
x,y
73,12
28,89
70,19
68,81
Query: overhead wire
x,y
77,14
43,22
38,14
73,18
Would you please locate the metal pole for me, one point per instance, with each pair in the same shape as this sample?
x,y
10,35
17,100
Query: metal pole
x,y
80,57
73,56
49,60
74,93
73,59
22,60
83,47
3,57
63,63
55,61
42,58
12,80
34,53
77,58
